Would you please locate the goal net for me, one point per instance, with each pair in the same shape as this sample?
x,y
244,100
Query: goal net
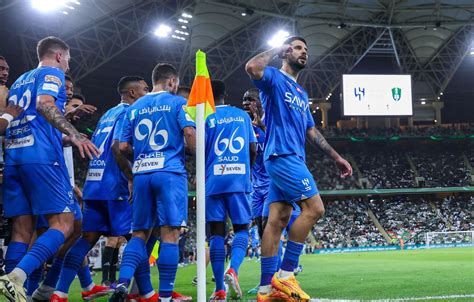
x,y
454,238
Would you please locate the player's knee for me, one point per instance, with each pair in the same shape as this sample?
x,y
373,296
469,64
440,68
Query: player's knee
x,y
278,223
217,229
170,234
22,230
316,212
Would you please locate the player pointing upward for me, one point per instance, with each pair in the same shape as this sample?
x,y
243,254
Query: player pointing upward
x,y
289,123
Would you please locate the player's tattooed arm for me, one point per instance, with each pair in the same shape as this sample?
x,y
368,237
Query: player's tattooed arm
x,y
317,139
257,64
122,161
46,106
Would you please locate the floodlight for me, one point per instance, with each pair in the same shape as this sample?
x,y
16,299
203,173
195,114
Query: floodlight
x,y
278,38
162,31
49,5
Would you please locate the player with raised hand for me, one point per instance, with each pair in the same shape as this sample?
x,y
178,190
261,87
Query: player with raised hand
x,y
106,207
230,153
153,137
288,124
35,177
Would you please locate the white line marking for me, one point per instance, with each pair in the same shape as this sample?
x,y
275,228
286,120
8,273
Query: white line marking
x,y
399,299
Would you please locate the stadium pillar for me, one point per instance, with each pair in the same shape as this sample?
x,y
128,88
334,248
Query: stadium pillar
x,y
325,107
410,122
437,106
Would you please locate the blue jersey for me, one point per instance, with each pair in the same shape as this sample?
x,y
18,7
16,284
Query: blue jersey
x,y
287,113
260,178
104,179
30,139
228,135
154,126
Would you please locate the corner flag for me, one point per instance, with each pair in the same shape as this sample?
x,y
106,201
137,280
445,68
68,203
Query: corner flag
x,y
201,91
200,106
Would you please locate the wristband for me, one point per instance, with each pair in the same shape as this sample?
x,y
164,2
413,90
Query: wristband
x,y
8,117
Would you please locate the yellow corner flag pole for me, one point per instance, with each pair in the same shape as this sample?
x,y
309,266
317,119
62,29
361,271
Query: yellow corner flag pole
x,y
200,105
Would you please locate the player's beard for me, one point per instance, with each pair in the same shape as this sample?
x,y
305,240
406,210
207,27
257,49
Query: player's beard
x,y
295,65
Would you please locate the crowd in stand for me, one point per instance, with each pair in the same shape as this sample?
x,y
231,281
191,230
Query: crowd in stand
x,y
389,165
347,222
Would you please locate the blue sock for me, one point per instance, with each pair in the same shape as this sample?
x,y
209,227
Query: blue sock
x,y
167,266
15,252
44,248
52,276
132,255
33,281
292,254
143,277
84,275
268,269
239,249
72,263
217,253
280,255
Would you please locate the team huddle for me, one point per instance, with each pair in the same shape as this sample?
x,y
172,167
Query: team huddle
x,y
137,183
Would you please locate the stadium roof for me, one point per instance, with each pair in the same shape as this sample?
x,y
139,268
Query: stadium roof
x,y
426,38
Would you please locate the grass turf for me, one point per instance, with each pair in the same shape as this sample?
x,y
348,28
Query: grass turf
x,y
369,275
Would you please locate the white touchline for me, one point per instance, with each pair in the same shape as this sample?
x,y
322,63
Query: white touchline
x,y
398,299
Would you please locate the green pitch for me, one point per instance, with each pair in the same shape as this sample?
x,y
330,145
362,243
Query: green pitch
x,y
369,275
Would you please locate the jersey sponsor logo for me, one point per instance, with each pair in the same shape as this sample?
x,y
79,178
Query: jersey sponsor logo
x,y
24,120
226,169
95,174
231,119
97,163
50,86
54,79
148,164
22,142
24,82
151,110
296,102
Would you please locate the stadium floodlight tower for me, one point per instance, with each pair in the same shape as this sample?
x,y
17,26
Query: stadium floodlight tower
x,y
453,238
162,31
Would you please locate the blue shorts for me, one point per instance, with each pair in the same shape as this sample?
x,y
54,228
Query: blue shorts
x,y
161,196
290,179
237,205
36,189
42,222
258,197
109,217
